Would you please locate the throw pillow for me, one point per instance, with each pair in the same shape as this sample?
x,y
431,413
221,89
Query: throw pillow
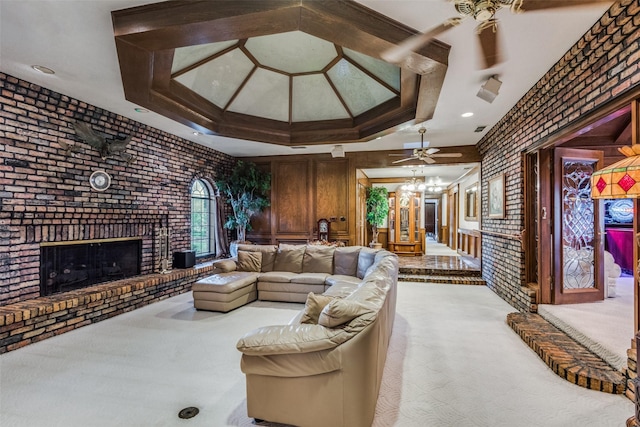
x,y
365,260
268,254
346,260
318,259
249,261
313,306
224,266
289,259
339,312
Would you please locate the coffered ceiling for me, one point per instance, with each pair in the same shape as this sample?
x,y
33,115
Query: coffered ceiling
x,y
288,72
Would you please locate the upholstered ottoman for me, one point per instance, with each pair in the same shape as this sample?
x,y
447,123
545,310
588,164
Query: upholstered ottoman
x,y
225,291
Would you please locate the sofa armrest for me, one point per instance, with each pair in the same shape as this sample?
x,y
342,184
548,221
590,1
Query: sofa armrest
x,y
225,265
284,339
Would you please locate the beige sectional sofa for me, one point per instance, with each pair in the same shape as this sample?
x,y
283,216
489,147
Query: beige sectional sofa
x,y
325,367
280,273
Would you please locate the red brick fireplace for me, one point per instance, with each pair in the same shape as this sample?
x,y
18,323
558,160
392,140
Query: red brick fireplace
x,y
46,200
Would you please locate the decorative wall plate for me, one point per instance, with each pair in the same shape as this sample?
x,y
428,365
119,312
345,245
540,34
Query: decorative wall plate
x,y
100,180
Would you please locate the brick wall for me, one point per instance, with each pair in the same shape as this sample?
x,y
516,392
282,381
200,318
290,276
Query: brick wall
x,y
45,194
602,65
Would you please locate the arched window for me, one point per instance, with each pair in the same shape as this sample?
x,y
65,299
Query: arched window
x,y
202,218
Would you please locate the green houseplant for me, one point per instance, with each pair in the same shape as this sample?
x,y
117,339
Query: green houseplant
x,y
377,211
247,191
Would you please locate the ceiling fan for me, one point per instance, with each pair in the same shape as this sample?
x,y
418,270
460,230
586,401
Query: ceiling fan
x,y
423,153
483,11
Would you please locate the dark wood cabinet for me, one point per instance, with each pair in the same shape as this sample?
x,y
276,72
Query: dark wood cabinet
x,y
405,236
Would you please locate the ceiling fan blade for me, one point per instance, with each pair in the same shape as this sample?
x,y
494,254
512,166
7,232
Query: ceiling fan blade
x,y
429,160
447,155
404,160
528,5
403,49
488,38
431,151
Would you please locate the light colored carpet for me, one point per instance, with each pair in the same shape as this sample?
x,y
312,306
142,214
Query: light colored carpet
x,y
452,361
439,249
604,327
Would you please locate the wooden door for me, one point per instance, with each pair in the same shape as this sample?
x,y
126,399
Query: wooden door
x,y
539,235
453,219
430,218
578,228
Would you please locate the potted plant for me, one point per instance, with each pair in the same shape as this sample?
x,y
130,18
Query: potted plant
x,y
247,191
377,211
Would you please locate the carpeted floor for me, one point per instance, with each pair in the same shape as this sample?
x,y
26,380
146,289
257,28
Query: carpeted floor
x,y
434,248
452,361
605,327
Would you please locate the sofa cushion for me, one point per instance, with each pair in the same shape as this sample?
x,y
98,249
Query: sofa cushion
x,y
345,260
249,261
225,282
289,258
340,289
318,259
338,278
341,311
268,254
291,289
313,306
310,278
277,276
366,257
224,266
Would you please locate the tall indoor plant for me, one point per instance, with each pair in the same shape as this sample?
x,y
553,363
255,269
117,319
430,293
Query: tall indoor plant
x,y
247,191
377,211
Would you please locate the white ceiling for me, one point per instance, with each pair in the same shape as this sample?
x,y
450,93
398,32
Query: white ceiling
x,y
75,38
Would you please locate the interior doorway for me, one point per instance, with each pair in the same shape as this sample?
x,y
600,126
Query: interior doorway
x,y
556,239
431,220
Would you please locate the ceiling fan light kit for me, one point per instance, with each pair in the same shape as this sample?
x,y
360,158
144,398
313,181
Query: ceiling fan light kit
x,y
423,153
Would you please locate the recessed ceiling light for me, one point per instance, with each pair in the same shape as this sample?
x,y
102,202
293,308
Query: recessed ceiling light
x,y
42,69
141,110
468,114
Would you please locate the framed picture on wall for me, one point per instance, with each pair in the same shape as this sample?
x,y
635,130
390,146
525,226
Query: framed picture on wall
x,y
496,197
471,203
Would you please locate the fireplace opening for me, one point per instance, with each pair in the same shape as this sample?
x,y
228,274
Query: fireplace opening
x,y
67,266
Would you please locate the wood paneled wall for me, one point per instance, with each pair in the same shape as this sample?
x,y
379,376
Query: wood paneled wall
x,y
305,189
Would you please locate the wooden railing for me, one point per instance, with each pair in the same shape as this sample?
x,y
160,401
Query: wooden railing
x,y
470,243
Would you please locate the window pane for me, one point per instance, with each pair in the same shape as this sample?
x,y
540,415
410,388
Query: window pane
x,y
200,213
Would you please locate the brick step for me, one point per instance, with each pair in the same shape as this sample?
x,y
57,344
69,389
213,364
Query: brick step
x,y
430,278
567,358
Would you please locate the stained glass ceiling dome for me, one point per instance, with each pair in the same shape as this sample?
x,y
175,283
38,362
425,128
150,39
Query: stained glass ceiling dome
x,y
287,72
288,77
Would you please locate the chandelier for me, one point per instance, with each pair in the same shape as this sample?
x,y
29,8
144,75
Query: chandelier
x,y
414,184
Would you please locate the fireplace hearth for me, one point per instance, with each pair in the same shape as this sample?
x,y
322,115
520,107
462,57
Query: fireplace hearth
x,y
66,266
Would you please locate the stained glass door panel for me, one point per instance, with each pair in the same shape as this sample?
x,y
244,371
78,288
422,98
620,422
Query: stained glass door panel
x,y
578,226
